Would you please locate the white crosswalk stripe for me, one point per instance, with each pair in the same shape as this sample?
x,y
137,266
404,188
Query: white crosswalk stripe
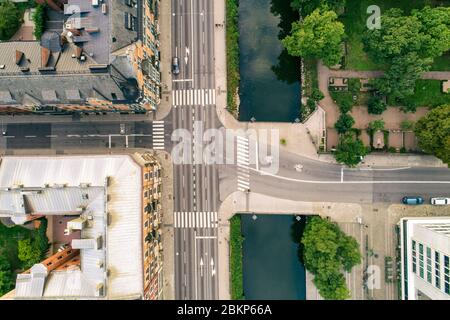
x,y
192,97
243,162
195,220
158,135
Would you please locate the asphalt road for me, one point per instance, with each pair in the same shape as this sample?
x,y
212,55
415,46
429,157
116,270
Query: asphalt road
x,y
199,188
196,184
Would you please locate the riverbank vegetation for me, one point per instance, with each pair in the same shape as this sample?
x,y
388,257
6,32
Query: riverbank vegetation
x,y
232,43
20,248
327,252
236,241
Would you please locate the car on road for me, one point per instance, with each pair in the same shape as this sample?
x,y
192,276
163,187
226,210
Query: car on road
x,y
175,66
412,200
440,201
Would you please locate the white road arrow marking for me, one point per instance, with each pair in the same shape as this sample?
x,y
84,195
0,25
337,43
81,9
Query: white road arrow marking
x,y
186,58
201,267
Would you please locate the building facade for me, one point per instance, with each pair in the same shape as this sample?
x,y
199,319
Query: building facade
x,y
425,258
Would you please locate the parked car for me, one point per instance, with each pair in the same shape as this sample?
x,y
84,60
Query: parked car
x,y
412,200
440,201
175,66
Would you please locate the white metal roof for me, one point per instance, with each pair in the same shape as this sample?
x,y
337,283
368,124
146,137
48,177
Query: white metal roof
x,y
122,238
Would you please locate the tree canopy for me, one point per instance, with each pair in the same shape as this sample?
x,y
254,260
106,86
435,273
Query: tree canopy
x,y
319,35
344,123
328,251
433,132
408,46
6,275
308,6
350,150
10,20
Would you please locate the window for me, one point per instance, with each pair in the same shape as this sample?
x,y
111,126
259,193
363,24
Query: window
x,y
414,259
446,275
421,260
429,264
437,267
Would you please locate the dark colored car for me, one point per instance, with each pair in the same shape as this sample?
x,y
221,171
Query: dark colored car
x,y
412,200
175,66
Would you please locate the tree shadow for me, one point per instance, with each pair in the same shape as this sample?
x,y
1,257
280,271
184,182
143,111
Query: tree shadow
x,y
297,229
288,67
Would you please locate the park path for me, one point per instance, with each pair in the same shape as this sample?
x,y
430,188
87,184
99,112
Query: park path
x,y
393,116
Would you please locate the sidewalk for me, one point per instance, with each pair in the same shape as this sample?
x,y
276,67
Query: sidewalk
x,y
392,160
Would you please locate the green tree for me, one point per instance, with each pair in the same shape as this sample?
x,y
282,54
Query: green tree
x,y
407,125
28,253
328,251
308,6
319,35
400,79
350,150
376,125
433,132
332,287
376,105
408,46
10,20
6,276
344,123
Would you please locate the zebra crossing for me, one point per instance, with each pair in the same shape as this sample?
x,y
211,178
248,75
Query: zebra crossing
x,y
195,220
243,162
158,135
192,97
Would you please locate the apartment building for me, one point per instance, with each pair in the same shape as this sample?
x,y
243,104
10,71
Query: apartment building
x,y
103,58
425,258
110,211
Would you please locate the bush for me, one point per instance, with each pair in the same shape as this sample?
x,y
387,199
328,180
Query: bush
x,y
232,43
236,240
354,85
317,95
344,100
39,17
402,150
376,105
344,123
392,150
407,125
376,125
10,20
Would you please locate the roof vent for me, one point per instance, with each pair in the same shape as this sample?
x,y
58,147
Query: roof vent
x,y
2,66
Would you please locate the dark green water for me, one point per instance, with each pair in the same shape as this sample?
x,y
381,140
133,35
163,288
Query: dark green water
x,y
269,86
272,269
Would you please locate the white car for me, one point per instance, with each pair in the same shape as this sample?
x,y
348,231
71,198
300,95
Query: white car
x,y
440,201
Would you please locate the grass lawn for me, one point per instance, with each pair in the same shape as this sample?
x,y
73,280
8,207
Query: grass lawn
x,y
354,20
428,93
441,63
236,240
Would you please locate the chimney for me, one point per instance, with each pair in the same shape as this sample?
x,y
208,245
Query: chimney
x,y
19,56
45,56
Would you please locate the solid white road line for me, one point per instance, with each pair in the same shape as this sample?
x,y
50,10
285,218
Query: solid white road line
x,y
349,182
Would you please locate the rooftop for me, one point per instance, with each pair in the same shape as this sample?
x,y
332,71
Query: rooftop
x,y
101,189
